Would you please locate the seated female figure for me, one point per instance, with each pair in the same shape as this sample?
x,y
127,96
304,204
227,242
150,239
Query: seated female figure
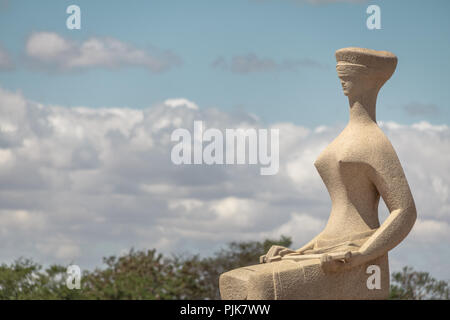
x,y
357,167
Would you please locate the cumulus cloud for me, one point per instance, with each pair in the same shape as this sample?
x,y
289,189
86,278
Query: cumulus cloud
x,y
430,230
6,62
79,183
49,49
251,63
181,102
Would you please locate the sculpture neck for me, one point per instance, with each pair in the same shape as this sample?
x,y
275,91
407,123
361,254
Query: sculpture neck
x,y
363,108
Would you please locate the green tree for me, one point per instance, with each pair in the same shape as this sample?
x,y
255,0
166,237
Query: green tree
x,y
413,285
139,275
235,255
142,274
25,279
146,274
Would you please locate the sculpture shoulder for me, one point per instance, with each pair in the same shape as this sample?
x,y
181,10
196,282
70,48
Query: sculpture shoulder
x,y
370,146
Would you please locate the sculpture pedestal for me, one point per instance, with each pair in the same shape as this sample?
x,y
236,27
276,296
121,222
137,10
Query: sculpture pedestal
x,y
303,280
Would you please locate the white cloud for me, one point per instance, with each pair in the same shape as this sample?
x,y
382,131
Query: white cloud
x,y
431,230
50,49
48,46
302,227
77,184
180,102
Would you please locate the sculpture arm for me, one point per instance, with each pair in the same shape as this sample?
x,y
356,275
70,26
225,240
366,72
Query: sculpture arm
x,y
309,245
276,252
389,179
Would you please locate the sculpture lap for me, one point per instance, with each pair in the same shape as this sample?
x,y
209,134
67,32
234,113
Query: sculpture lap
x,y
301,280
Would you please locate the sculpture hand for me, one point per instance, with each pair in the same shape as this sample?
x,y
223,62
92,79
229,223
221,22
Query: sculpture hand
x,y
341,261
275,253
288,251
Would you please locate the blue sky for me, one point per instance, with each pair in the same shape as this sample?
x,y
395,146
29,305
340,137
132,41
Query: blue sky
x,y
199,32
78,183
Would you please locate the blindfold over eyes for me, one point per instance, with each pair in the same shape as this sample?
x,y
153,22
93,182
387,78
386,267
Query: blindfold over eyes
x,y
349,69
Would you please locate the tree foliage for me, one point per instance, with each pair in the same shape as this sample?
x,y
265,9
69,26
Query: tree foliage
x,y
413,285
25,279
146,274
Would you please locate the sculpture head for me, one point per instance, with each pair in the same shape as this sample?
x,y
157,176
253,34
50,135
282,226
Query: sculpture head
x,y
363,70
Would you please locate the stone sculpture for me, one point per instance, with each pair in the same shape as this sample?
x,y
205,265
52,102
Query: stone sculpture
x,y
357,167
